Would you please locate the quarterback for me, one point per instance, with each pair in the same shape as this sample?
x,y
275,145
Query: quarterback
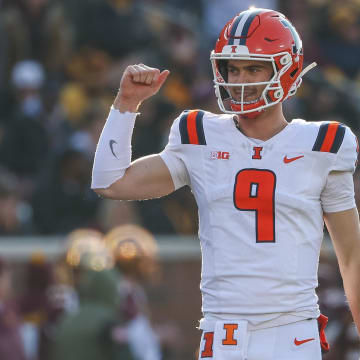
x,y
264,188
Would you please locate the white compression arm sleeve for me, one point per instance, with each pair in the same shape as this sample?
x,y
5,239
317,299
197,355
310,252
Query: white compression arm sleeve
x,y
113,152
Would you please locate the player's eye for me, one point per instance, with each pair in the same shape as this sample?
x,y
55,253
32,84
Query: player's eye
x,y
254,69
232,70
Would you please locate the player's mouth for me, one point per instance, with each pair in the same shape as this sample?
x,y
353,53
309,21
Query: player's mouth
x,y
245,102
248,96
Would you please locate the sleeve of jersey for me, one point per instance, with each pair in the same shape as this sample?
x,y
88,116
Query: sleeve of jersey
x,y
346,156
174,157
338,194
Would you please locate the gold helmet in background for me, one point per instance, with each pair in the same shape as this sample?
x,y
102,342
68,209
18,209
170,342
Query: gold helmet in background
x,y
86,248
134,249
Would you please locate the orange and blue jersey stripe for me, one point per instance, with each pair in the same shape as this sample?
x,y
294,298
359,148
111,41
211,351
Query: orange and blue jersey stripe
x,y
191,128
330,137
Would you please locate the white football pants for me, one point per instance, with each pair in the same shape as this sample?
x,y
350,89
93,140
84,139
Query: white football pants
x,y
233,341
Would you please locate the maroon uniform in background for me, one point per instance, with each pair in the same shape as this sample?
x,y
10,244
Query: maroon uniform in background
x,y
11,345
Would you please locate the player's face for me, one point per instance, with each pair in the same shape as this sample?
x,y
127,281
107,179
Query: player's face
x,y
248,71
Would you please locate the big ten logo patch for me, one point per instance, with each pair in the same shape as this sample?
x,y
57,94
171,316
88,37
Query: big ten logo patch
x,y
219,155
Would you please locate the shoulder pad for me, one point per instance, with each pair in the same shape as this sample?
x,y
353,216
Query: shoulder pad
x,y
330,137
191,127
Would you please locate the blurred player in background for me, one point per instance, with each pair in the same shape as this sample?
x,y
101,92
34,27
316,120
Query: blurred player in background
x,y
135,255
263,186
86,332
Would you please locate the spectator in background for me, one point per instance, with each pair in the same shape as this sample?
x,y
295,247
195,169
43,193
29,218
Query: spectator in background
x,y
62,200
94,20
35,305
67,115
15,213
11,345
39,277
329,103
98,59
340,36
37,29
24,144
85,138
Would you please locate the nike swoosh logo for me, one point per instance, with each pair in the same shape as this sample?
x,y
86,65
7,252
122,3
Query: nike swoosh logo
x,y
289,160
300,342
111,144
270,40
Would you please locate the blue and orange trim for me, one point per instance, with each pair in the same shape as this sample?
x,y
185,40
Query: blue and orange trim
x,y
330,137
191,128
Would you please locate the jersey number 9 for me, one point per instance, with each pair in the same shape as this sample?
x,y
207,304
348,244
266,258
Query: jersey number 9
x,y
254,190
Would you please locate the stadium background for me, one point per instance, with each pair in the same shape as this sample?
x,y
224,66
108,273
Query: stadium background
x,y
60,66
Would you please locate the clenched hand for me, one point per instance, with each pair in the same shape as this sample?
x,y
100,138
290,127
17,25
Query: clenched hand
x,y
138,83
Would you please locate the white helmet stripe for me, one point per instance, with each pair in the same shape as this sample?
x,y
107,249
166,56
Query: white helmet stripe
x,y
240,26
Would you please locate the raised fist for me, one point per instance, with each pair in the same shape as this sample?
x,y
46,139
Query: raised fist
x,y
138,83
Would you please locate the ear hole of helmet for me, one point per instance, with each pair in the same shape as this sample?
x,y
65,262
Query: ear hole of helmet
x,y
278,94
293,73
284,60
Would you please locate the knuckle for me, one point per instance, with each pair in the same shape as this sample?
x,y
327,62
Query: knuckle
x,y
131,69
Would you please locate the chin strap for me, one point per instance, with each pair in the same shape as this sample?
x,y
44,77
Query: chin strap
x,y
308,68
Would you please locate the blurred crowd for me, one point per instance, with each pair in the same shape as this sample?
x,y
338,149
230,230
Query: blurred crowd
x,y
60,66
88,305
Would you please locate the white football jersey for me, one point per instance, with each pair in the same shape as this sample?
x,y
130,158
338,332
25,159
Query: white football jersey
x,y
260,208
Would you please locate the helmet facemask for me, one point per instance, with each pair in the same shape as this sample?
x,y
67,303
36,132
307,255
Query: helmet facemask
x,y
272,94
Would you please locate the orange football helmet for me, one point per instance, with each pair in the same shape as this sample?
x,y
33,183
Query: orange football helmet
x,y
262,35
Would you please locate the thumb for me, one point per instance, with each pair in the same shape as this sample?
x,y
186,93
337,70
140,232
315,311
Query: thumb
x,y
161,79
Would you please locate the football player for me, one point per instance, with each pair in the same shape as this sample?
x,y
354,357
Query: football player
x,y
264,187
